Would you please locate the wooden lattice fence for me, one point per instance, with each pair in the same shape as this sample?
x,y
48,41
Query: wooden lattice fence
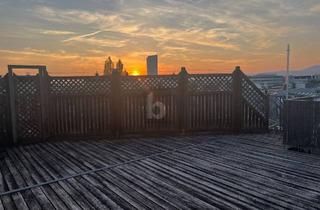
x,y
27,105
301,123
255,105
79,106
42,106
208,102
4,126
134,92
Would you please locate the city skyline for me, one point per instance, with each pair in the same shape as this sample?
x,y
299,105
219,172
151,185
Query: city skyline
x,y
74,38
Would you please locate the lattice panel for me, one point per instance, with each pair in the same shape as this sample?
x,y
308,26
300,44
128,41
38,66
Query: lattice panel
x,y
3,89
253,96
133,84
3,108
27,107
80,85
210,83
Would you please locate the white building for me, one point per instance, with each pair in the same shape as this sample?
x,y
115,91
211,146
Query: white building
x,y
152,65
268,81
303,81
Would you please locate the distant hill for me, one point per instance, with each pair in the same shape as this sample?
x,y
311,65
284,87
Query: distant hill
x,y
313,70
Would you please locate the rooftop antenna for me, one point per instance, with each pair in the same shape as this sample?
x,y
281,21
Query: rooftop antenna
x,y
287,75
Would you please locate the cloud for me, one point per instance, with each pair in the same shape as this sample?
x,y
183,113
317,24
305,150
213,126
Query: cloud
x,y
39,52
315,8
134,25
62,15
82,36
58,63
101,42
211,31
56,32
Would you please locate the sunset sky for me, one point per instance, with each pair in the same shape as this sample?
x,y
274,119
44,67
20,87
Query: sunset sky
x,y
74,37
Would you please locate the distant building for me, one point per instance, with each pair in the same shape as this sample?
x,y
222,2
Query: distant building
x,y
109,67
119,66
268,81
152,65
310,81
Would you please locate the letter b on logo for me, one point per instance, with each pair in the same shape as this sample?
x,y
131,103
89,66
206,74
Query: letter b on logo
x,y
155,110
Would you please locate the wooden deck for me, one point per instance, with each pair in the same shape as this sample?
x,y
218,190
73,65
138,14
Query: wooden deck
x,y
199,172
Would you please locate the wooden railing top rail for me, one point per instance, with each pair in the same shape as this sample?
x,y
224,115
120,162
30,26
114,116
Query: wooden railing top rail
x,y
306,98
142,76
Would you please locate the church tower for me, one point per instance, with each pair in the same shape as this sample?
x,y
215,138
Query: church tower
x,y
108,66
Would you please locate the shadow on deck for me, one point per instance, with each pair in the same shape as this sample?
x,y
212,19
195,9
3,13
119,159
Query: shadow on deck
x,y
202,172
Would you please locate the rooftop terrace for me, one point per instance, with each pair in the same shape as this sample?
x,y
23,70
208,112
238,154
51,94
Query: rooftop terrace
x,y
196,172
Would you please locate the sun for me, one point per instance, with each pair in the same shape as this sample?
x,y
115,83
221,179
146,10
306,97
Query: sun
x,y
135,72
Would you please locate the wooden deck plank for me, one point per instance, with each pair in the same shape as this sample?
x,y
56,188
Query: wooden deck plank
x,y
191,186
63,157
116,149
151,190
289,171
203,181
279,152
54,199
51,195
140,187
169,192
105,152
2,182
1,205
55,192
86,195
76,195
222,175
109,185
10,173
24,180
273,182
238,164
38,192
133,191
245,171
101,191
19,201
259,156
90,153
68,194
8,202
93,188
86,160
113,194
119,194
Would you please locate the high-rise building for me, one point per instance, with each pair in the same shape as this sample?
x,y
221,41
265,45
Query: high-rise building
x,y
152,65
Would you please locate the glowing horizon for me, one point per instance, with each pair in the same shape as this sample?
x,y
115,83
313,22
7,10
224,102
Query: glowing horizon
x,y
205,36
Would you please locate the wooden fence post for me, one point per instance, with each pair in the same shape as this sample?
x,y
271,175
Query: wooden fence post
x,y
116,103
181,100
44,101
12,106
284,121
237,108
6,109
267,105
